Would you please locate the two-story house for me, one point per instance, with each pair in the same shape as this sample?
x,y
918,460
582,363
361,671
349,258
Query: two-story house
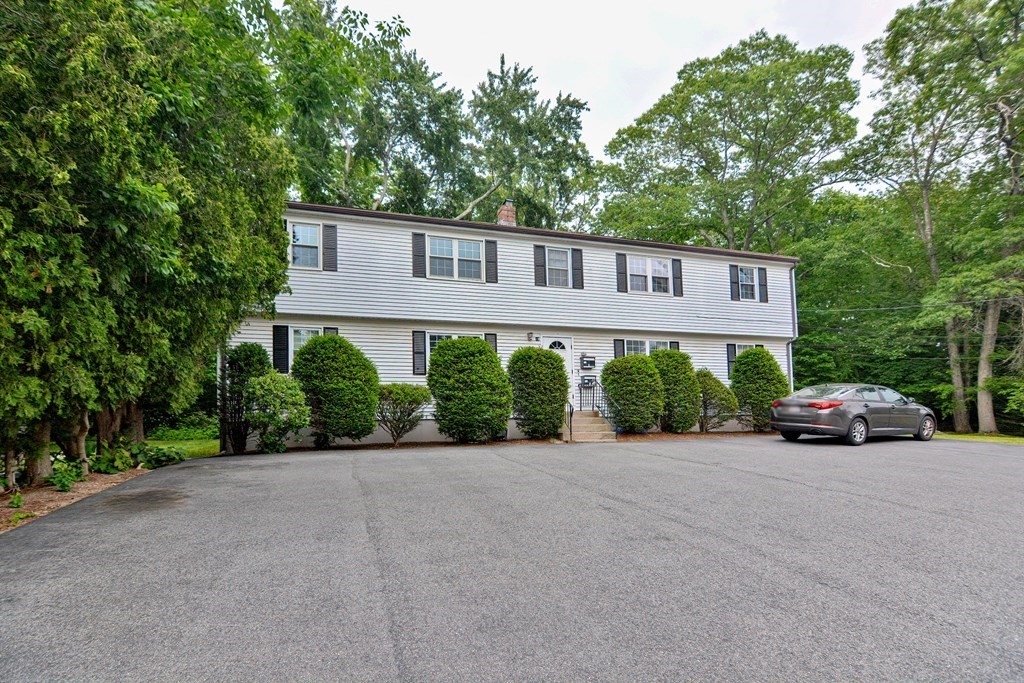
x,y
394,285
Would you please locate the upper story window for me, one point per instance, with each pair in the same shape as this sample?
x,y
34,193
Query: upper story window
x,y
456,259
748,283
305,245
558,268
301,335
650,275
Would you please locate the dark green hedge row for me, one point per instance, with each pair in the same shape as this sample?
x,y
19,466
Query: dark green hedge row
x,y
540,389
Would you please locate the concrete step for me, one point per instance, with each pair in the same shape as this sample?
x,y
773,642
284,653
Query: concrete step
x,y
588,437
586,413
589,421
592,428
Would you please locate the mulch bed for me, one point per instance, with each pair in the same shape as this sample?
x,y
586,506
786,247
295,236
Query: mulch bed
x,y
41,500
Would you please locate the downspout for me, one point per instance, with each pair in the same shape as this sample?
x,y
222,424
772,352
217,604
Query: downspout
x,y
789,344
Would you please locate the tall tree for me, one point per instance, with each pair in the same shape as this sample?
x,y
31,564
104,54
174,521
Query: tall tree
x,y
740,141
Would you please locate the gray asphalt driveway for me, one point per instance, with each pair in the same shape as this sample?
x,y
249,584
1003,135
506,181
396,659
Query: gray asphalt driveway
x,y
727,559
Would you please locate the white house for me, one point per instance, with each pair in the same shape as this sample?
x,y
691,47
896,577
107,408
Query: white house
x,y
394,285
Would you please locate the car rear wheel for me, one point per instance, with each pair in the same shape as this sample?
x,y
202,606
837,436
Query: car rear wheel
x,y
790,436
926,430
858,433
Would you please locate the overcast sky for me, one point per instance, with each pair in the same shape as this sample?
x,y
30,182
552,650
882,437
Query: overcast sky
x,y
619,60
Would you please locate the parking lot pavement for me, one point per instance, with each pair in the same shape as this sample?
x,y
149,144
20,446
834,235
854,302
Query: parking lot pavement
x,y
731,559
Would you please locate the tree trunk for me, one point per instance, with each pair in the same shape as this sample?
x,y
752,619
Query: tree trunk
x,y
76,444
38,463
961,419
989,335
136,429
108,425
11,468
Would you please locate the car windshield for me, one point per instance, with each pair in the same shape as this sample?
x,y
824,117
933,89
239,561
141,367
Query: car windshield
x,y
821,391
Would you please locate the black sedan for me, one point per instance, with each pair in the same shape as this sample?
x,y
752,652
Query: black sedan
x,y
851,411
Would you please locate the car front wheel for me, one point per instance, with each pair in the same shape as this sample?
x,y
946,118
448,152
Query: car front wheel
x,y
790,436
858,433
927,429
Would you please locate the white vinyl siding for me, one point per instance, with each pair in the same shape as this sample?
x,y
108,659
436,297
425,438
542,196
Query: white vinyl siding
x,y
305,246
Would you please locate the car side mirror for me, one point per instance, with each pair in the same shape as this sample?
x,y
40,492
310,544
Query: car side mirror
x,y
910,400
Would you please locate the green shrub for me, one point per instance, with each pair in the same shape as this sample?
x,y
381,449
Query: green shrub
x,y
111,460
540,389
757,380
152,457
16,501
472,394
717,402
21,516
275,406
682,393
400,408
341,388
243,363
635,394
191,427
65,474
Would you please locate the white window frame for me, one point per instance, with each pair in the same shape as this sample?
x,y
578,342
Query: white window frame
x,y
627,342
648,274
291,338
753,282
662,344
455,258
568,266
741,347
319,230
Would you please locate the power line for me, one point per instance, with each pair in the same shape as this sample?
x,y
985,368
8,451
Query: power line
x,y
901,308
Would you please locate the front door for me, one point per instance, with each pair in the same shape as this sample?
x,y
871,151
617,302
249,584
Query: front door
x,y
563,347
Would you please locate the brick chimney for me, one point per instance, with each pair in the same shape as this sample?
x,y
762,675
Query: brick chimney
x,y
507,213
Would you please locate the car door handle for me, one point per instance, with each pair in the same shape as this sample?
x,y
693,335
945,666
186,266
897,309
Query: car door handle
x,y
867,405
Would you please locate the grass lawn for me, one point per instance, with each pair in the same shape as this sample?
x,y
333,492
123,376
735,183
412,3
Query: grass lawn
x,y
988,438
193,449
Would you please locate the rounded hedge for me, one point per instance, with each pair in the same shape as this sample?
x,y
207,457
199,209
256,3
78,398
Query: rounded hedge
x,y
276,407
717,402
757,380
540,389
243,363
400,408
341,387
636,396
682,394
472,394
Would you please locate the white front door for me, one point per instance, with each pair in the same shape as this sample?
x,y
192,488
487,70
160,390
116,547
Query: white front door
x,y
563,347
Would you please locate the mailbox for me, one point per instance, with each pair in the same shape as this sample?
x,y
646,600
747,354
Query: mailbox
x,y
587,362
588,380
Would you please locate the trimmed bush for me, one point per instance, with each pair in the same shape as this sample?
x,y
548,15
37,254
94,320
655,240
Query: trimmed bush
x,y
757,380
275,406
341,388
472,394
243,363
400,408
636,396
540,389
682,393
717,402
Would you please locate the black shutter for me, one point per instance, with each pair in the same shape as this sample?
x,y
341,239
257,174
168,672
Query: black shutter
x,y
762,281
619,346
673,345
734,282
759,346
492,339
577,269
491,261
330,244
540,266
419,353
621,278
730,358
281,348
331,330
677,277
419,254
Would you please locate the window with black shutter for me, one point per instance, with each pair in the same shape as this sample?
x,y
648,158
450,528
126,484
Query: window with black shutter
x,y
419,352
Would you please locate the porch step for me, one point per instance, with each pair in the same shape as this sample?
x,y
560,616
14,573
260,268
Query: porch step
x,y
588,427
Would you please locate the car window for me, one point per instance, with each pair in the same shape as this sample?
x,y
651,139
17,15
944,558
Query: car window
x,y
890,396
867,394
821,391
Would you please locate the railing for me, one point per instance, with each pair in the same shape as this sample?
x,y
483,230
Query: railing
x,y
594,397
569,411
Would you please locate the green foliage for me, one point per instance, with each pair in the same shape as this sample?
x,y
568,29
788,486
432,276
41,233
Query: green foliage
x,y
757,380
635,394
19,517
275,407
540,390
243,363
341,388
152,457
718,404
400,408
16,501
472,394
65,474
111,460
192,427
682,393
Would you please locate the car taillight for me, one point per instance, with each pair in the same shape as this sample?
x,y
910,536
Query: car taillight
x,y
776,404
824,405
